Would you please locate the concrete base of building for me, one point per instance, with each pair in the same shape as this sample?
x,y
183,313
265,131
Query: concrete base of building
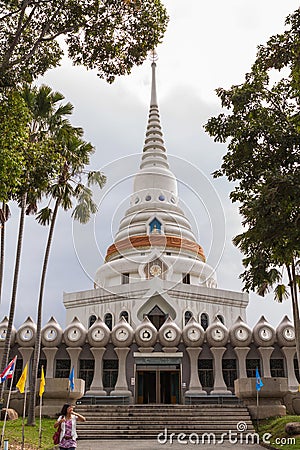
x,y
268,402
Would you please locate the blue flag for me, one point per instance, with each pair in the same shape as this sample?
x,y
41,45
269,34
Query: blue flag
x,y
71,380
259,383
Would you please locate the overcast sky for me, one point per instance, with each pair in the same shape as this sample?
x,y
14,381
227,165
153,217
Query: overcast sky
x,y
207,45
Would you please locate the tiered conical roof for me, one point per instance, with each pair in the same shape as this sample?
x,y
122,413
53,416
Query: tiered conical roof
x,y
154,198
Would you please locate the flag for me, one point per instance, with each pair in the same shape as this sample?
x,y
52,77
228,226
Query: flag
x,y
22,380
259,383
42,382
8,371
71,380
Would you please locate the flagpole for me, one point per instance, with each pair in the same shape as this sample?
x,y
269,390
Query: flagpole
x,y
8,400
40,426
23,420
257,421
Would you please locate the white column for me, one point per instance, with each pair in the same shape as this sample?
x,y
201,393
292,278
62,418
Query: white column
x,y
26,353
194,385
96,387
50,353
121,387
241,353
289,353
219,383
265,353
74,353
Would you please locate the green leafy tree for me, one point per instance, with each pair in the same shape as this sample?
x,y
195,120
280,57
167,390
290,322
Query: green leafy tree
x,y
110,36
41,160
14,132
68,187
262,132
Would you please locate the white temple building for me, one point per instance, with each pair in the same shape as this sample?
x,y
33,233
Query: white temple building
x,y
156,328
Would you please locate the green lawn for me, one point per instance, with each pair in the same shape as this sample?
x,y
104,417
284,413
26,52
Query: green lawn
x,y
276,428
13,432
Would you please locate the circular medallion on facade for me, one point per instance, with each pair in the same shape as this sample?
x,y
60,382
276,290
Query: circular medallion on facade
x,y
145,333
169,333
75,333
193,333
26,333
263,333
285,333
289,333
240,333
217,334
155,270
122,333
98,334
51,334
3,331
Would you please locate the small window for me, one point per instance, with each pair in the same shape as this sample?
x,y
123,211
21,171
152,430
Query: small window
x,y
108,320
110,372
187,316
168,253
92,320
62,368
251,366
277,368
125,278
204,321
186,278
221,318
125,315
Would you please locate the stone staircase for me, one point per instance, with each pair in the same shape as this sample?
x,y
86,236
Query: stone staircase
x,y
148,421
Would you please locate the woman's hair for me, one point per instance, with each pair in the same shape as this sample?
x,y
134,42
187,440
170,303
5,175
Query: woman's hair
x,y
64,409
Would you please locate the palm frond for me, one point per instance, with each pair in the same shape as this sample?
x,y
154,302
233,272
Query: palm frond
x,y
96,177
281,293
44,216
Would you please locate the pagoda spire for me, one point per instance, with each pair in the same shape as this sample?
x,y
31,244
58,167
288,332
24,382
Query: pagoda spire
x,y
154,151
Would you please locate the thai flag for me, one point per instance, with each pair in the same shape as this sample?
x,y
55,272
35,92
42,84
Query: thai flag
x,y
8,372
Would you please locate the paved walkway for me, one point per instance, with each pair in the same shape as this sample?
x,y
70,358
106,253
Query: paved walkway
x,y
138,444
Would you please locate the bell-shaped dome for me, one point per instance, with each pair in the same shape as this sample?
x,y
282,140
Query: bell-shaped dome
x,y
263,333
52,333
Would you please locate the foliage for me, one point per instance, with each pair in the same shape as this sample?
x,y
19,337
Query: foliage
x,y
110,36
262,132
67,187
14,133
276,428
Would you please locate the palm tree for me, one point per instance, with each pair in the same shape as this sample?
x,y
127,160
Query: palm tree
x,y
4,216
41,163
67,187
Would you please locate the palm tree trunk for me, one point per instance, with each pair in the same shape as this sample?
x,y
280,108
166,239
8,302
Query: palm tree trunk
x,y
14,289
37,347
293,287
2,245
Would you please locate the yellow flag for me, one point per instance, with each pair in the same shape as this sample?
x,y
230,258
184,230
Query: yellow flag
x,y
42,382
22,381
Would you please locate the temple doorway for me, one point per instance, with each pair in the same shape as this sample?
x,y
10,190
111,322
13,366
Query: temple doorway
x,y
159,386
